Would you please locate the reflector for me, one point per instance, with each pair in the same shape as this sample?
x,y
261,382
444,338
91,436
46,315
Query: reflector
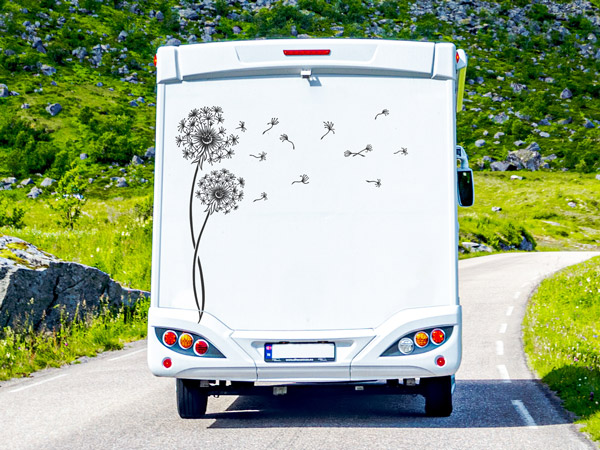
x,y
440,361
167,363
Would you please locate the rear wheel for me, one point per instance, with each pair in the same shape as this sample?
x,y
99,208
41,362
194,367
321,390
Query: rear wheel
x,y
438,396
191,399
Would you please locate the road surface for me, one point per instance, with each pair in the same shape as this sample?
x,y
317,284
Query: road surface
x,y
112,401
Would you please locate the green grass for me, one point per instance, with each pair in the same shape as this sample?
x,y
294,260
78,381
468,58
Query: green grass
x,y
562,339
24,353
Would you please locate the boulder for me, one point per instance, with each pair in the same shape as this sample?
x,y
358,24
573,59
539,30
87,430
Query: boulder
x,y
39,290
136,160
474,247
188,14
53,109
26,182
83,156
526,158
4,91
47,182
35,192
122,182
566,94
150,153
10,180
479,142
79,53
502,166
47,70
122,36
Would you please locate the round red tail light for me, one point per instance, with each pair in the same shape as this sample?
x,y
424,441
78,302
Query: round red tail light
x,y
438,336
169,338
167,363
440,361
200,347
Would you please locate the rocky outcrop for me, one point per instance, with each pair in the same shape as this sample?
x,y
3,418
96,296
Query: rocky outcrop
x,y
40,291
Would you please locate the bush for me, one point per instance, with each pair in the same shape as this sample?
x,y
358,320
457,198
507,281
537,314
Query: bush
x,y
13,218
69,200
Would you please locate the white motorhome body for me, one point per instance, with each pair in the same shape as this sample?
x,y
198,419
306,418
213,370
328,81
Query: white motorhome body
x,y
305,215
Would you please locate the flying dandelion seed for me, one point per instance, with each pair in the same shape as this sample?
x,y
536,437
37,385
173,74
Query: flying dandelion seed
x,y
303,179
367,149
377,182
263,196
284,138
274,121
262,156
329,127
242,127
385,112
402,151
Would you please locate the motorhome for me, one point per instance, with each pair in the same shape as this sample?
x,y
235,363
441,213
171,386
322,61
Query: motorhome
x,y
305,219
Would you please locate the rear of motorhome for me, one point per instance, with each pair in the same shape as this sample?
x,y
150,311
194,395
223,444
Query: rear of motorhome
x,y
305,219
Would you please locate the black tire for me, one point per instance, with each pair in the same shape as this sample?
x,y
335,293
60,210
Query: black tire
x,y
191,399
438,396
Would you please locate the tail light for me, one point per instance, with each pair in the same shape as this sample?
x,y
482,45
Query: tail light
x,y
186,341
169,338
200,347
421,339
167,363
320,52
438,336
440,361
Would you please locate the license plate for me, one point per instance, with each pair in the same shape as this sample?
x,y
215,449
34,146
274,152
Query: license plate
x,y
300,352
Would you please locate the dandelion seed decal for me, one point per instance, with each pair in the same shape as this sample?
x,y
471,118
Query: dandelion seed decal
x,y
385,112
377,182
220,191
303,179
263,196
202,143
242,127
284,138
402,151
262,156
329,127
367,149
274,121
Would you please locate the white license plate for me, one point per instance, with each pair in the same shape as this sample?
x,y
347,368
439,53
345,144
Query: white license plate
x,y
300,352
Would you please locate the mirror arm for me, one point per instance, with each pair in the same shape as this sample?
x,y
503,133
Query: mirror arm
x,y
461,155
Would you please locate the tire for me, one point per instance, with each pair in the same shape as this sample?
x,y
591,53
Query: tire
x,y
191,399
438,396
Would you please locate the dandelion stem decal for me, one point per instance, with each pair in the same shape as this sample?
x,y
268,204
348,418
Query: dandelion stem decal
x,y
274,121
367,149
303,179
263,196
377,182
202,142
242,127
385,112
402,151
262,156
284,138
219,191
329,127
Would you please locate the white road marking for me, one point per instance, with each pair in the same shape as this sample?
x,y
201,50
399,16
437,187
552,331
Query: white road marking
x,y
510,310
127,355
503,328
524,285
504,373
517,294
520,407
38,383
499,348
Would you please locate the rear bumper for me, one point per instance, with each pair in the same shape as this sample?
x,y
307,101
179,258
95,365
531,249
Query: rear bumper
x,y
358,352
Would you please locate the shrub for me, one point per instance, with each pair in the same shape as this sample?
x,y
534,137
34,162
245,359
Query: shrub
x,y
69,200
13,218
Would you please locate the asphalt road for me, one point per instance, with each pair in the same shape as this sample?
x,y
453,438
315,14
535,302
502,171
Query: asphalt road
x,y
112,401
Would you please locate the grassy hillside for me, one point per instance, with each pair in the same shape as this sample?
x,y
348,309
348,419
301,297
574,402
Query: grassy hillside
x,y
94,57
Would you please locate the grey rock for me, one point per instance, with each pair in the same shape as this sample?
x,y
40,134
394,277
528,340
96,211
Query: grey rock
x,y
122,36
53,109
136,160
83,156
39,290
122,182
133,103
544,134
293,31
496,209
38,44
4,91
598,177
188,14
500,118
236,30
516,177
47,182
517,88
47,70
525,245
566,121
159,16
35,192
498,135
474,247
9,180
99,84
150,152
572,205
90,180
589,124
544,122
566,94
26,182
488,159
479,142
173,42
525,159
80,53
501,166
25,106
522,116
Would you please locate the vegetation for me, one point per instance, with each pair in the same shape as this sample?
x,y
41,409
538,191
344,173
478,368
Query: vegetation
x,y
562,339
69,199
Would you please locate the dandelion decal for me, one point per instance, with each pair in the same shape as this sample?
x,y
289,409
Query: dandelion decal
x,y
220,191
329,127
262,156
385,112
202,142
242,127
263,196
303,179
274,121
367,149
284,138
377,182
402,151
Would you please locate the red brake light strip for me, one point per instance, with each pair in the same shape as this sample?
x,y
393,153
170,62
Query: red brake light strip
x,y
307,52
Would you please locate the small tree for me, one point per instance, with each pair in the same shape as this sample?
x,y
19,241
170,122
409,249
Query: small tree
x,y
69,200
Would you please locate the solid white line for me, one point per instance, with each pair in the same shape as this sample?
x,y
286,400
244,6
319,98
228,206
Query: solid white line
x,y
517,294
504,373
520,407
499,348
510,310
503,328
127,354
38,383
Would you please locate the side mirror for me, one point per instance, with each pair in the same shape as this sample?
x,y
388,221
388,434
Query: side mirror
x,y
466,191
